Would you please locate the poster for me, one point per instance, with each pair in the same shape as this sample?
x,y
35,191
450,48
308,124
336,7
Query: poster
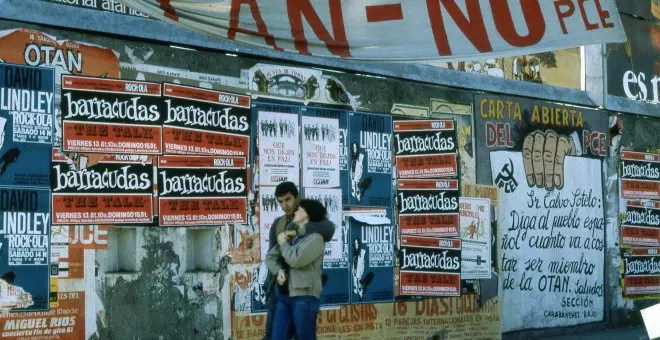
x,y
320,152
111,116
371,256
370,159
476,236
428,207
244,246
478,190
641,224
430,266
342,117
202,190
26,124
551,245
205,122
425,148
24,249
269,210
640,175
98,188
66,321
641,273
279,155
244,287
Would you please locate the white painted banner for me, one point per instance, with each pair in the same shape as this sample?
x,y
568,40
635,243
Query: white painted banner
x,y
320,152
336,249
398,30
279,155
476,236
551,245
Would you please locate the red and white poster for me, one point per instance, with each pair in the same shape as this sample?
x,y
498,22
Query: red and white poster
x,y
111,116
97,188
640,175
196,190
430,266
425,148
641,224
205,122
279,148
428,207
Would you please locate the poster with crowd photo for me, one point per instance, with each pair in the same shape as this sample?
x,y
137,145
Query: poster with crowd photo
x,y
370,159
546,160
640,175
26,125
430,266
320,152
205,122
342,117
641,224
111,116
269,210
371,258
428,207
641,273
196,190
98,188
425,148
24,249
476,236
279,148
335,261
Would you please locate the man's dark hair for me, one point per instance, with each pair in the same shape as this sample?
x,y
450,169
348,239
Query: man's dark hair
x,y
286,188
314,209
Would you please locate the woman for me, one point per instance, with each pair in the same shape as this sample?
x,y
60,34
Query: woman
x,y
301,248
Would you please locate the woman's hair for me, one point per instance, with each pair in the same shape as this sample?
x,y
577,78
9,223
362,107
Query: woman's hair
x,y
314,209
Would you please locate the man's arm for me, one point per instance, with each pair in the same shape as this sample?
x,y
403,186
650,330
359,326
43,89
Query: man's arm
x,y
273,260
272,234
304,252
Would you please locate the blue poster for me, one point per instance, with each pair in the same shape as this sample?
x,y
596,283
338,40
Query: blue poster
x,y
371,258
370,160
26,125
24,249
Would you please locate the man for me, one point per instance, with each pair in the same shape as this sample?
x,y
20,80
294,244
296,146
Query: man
x,y
288,198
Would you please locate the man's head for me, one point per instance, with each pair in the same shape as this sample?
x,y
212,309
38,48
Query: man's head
x,y
288,197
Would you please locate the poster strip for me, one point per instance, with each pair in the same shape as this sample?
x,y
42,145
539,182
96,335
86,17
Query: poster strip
x,y
107,189
476,235
430,266
24,249
641,224
279,155
428,207
640,175
111,116
425,148
26,124
201,190
205,122
320,152
641,276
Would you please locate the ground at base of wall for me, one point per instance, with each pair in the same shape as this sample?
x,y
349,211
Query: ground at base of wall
x,y
629,333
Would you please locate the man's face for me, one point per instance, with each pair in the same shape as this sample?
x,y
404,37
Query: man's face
x,y
288,203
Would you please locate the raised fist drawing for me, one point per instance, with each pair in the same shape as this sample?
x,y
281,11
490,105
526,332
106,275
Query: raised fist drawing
x,y
544,153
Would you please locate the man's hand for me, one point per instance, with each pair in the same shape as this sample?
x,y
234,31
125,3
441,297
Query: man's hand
x,y
285,236
281,277
543,157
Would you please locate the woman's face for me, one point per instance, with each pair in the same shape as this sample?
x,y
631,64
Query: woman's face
x,y
300,216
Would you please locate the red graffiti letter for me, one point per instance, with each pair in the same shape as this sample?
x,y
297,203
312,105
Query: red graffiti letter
x,y
299,8
604,15
234,16
473,26
533,18
589,26
563,15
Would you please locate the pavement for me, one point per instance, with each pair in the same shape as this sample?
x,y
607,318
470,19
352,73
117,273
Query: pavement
x,y
631,333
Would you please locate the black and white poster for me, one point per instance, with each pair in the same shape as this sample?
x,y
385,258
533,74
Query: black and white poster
x,y
279,151
320,152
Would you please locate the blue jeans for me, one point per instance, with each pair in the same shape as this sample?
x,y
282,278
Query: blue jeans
x,y
296,316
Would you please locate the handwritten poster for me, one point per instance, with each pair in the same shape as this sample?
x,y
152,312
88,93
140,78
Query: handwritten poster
x,y
320,152
26,125
476,236
279,155
428,207
425,148
551,245
24,249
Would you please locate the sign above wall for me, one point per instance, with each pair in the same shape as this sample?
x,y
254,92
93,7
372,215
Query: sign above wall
x,y
396,30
